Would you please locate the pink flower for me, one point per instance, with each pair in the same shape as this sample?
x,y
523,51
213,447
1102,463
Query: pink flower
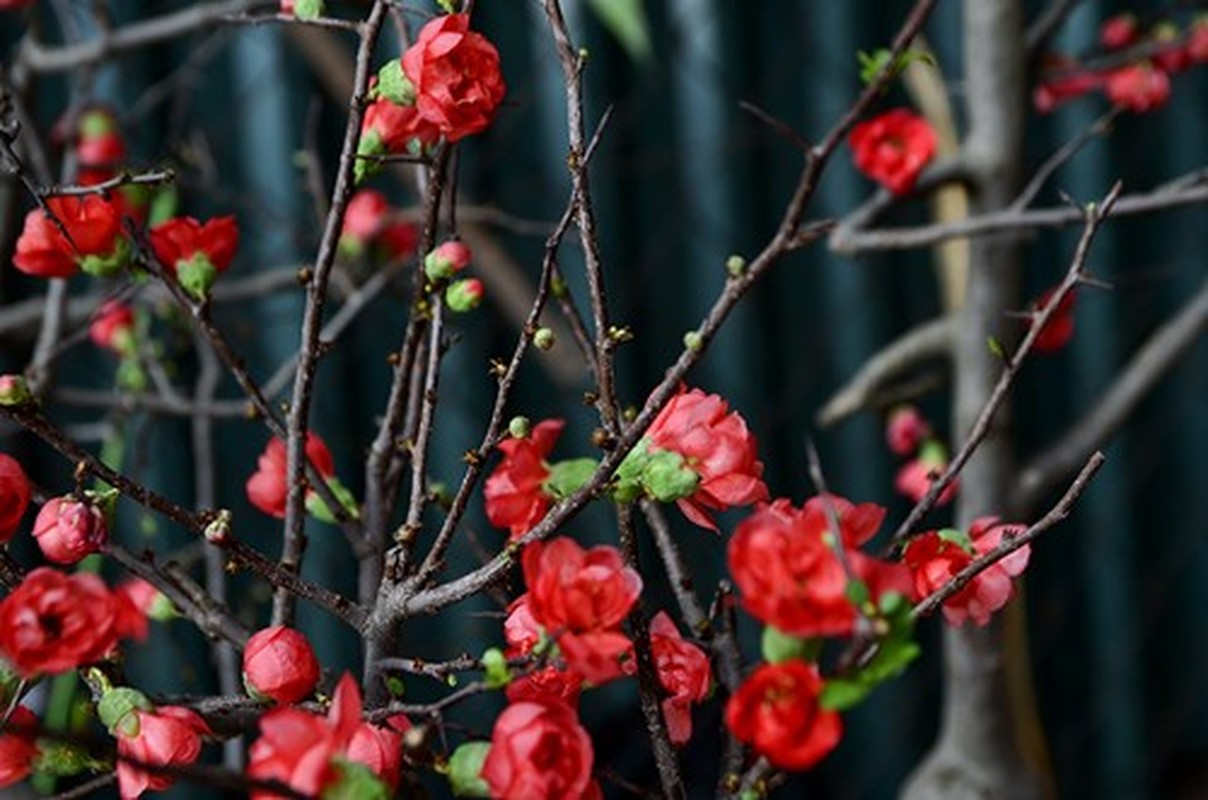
x,y
905,430
514,492
538,752
169,735
95,227
278,663
380,747
1138,87
194,251
914,479
1119,31
67,530
893,148
683,670
113,328
447,260
368,226
549,684
268,487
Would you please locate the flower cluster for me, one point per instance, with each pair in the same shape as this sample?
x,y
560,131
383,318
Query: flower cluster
x,y
909,435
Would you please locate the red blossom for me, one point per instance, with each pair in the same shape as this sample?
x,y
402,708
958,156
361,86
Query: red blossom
x,y
893,148
1057,333
456,77
18,746
183,241
549,684
906,430
715,444
776,711
935,558
538,752
380,748
683,670
1138,87
15,493
514,492
1072,82
93,223
268,487
368,225
113,327
68,529
1119,31
915,477
1197,41
279,663
167,736
391,128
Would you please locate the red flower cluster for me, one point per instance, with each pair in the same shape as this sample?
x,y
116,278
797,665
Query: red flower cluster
x,y
935,558
580,597
54,622
94,240
715,444
776,711
539,752
165,736
18,746
893,148
268,487
1138,87
550,684
278,663
790,577
15,493
196,252
683,670
68,529
515,495
370,229
1057,333
908,433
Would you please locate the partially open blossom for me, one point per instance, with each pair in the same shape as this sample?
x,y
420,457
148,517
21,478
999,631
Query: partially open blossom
x,y
67,529
15,493
683,670
386,129
113,327
464,295
906,430
96,243
1138,87
1119,31
538,752
550,684
54,622
716,445
455,75
581,597
368,228
935,557
915,477
165,736
776,712
268,487
1057,333
18,746
515,495
279,663
196,252
784,563
303,750
447,260
893,148
380,748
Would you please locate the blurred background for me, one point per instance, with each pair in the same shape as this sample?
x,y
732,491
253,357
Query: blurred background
x,y
1114,602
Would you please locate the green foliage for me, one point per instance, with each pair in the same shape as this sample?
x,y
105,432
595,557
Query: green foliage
x,y
465,766
894,652
871,64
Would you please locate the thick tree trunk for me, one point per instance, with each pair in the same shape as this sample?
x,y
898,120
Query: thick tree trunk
x,y
976,755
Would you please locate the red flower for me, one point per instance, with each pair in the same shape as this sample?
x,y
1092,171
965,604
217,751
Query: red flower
x,y
167,736
906,429
54,622
1172,56
548,684
1119,31
1197,41
717,446
278,663
18,746
776,711
130,618
1070,82
196,252
99,146
935,558
301,749
580,597
367,224
67,530
15,493
113,327
268,486
914,479
380,747
515,497
456,77
787,570
683,670
389,128
893,148
94,225
538,752
1138,87
1060,327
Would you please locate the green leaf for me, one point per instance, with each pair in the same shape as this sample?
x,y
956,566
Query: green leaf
x,y
355,781
465,767
872,64
857,592
841,694
995,347
776,646
626,21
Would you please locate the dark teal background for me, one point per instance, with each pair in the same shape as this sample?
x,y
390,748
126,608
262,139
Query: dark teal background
x,y
684,178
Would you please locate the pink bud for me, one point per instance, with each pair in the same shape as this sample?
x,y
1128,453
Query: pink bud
x,y
906,428
443,262
14,391
278,663
68,529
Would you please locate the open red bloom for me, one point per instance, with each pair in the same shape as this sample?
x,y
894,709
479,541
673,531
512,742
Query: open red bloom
x,y
456,77
15,493
1057,333
776,711
893,148
538,752
715,444
18,746
54,622
514,492
368,228
196,251
93,223
935,558
169,735
683,670
581,597
279,663
788,572
1138,87
547,685
268,487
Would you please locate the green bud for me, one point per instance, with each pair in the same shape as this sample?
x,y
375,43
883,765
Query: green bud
x,y
666,477
308,9
465,770
544,339
495,664
464,295
131,376
116,709
776,646
14,391
96,123
196,276
693,341
164,204
370,144
567,477
110,265
519,427
394,85
627,481
736,265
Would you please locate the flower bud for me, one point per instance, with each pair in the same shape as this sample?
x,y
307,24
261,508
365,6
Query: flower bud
x,y
279,664
14,391
906,430
445,261
196,275
544,339
117,708
736,265
465,769
519,427
464,295
394,85
303,9
68,529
